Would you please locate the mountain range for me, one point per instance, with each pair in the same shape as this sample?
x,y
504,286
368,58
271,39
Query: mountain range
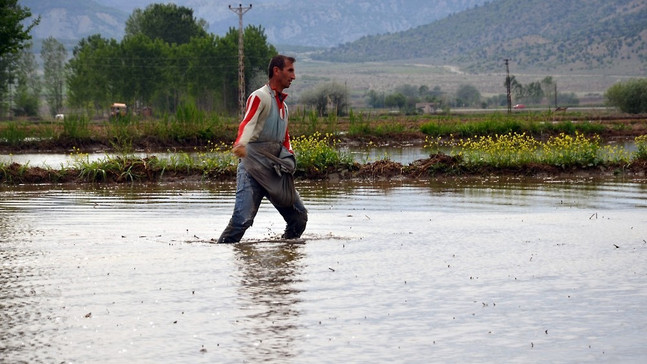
x,y
473,34
540,34
316,23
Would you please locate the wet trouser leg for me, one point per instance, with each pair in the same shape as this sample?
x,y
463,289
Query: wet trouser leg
x,y
296,217
248,199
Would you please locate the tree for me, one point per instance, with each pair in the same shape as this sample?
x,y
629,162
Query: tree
x,y
14,36
93,73
28,86
145,69
395,100
53,54
467,95
141,71
328,94
258,52
549,87
375,99
533,93
171,23
629,96
516,88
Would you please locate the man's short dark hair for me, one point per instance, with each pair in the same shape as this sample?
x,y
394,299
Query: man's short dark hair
x,y
278,61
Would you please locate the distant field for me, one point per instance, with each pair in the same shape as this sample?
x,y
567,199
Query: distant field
x,y
385,76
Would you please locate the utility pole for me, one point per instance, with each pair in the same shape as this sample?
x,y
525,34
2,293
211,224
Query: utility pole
x,y
507,86
240,10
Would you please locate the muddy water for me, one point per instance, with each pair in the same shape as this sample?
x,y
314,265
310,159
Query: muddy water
x,y
481,271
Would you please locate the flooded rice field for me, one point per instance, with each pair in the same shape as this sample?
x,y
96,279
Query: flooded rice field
x,y
401,154
450,271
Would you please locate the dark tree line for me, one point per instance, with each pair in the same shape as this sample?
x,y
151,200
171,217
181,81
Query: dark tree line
x,y
165,59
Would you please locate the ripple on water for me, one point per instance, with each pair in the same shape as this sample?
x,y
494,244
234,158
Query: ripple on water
x,y
478,271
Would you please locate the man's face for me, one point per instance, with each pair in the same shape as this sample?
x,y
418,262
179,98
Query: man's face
x,y
286,75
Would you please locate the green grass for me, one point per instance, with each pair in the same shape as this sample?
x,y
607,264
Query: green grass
x,y
503,124
76,127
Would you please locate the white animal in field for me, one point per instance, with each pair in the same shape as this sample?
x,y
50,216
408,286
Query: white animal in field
x,y
60,117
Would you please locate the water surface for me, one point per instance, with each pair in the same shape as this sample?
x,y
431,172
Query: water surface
x,y
471,271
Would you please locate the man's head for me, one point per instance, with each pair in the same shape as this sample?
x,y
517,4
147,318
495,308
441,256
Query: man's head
x,y
281,72
278,61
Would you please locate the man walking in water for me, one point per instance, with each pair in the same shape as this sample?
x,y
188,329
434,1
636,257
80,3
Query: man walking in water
x,y
267,162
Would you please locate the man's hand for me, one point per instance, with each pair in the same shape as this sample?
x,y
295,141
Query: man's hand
x,y
239,151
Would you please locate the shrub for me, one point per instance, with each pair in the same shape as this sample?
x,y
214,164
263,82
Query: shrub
x,y
629,96
319,152
76,127
641,147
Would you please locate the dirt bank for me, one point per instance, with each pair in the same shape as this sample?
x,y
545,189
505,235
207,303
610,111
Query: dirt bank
x,y
436,166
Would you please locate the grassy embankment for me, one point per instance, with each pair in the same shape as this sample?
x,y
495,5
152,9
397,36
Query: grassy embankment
x,y
526,144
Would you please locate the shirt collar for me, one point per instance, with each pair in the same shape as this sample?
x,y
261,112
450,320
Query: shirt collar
x,y
278,95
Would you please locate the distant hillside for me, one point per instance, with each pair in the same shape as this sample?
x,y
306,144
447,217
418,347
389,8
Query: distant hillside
x,y
577,34
327,23
316,23
70,20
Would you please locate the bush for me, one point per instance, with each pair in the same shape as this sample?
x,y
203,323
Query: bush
x,y
629,96
641,146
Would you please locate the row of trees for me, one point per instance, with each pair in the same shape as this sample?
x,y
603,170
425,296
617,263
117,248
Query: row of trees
x,y
162,67
154,65
406,97
28,84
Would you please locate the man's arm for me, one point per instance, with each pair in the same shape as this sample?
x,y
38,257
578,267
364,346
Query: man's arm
x,y
247,125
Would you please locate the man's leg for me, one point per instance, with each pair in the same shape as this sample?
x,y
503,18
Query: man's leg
x,y
248,198
295,217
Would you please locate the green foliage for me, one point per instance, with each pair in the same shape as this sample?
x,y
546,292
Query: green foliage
x,y
14,36
395,100
467,95
317,152
94,73
140,71
629,96
76,128
326,95
357,124
565,150
53,54
503,124
168,22
641,147
405,97
27,93
314,153
13,133
14,33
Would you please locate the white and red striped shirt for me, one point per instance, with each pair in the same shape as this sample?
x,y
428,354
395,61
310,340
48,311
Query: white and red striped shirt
x,y
266,118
